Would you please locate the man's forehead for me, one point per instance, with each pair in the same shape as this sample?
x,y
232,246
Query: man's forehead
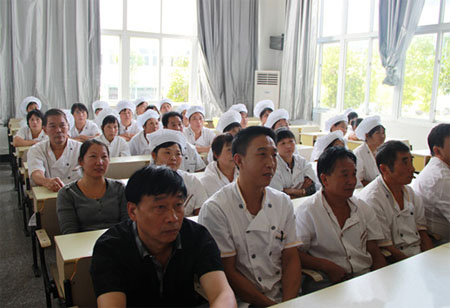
x,y
56,118
261,142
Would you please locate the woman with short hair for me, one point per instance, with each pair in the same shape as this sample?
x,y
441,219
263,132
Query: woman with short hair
x,y
33,132
109,122
83,129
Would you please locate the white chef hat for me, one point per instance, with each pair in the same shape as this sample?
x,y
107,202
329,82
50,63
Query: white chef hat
x,y
103,114
69,117
182,108
166,135
165,101
348,110
193,109
366,126
229,117
99,105
149,114
26,101
140,100
239,108
261,105
324,141
125,105
333,120
276,116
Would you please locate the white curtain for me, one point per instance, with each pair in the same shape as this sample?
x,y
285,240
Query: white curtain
x,y
398,21
228,34
49,49
299,53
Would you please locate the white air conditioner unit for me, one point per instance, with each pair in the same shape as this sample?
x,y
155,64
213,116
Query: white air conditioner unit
x,y
267,86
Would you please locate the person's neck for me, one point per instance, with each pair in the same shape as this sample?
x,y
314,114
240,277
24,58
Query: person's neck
x,y
161,251
227,171
373,148
335,201
92,182
395,188
288,159
80,126
35,132
58,147
109,139
126,124
252,194
197,132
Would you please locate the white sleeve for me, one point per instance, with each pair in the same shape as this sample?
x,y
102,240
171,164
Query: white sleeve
x,y
22,133
199,163
291,233
93,129
304,226
373,202
360,172
35,159
373,224
419,215
277,181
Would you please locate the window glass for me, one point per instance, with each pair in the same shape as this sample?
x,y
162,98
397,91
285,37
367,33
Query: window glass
x,y
110,73
443,97
358,16
417,87
111,12
447,11
355,74
144,61
179,17
332,17
330,71
430,13
144,15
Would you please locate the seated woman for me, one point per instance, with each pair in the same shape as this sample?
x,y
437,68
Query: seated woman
x,y
141,105
263,109
167,146
322,143
373,133
108,120
98,106
182,109
229,122
222,170
33,132
197,134
150,123
29,103
294,175
128,126
351,135
278,119
93,202
242,109
165,105
83,129
338,122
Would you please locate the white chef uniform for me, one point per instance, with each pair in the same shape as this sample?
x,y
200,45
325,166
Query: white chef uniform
x,y
41,157
286,177
90,129
366,165
321,236
133,129
192,161
213,180
400,227
25,134
433,185
205,139
138,144
117,148
194,188
257,242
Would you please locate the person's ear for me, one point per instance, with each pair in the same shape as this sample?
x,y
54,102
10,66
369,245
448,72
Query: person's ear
x,y
238,160
384,169
437,151
324,179
154,156
131,209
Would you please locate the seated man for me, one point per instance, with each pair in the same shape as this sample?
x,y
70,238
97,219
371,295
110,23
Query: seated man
x,y
54,162
253,224
433,182
192,161
154,258
338,232
399,210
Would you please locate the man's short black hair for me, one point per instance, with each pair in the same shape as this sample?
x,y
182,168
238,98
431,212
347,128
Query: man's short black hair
x,y
154,181
34,112
168,115
219,142
242,139
231,127
53,112
264,111
327,161
283,133
387,153
356,123
374,130
437,136
352,115
80,107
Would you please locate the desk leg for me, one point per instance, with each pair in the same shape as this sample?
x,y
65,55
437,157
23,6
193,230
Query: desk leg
x,y
35,266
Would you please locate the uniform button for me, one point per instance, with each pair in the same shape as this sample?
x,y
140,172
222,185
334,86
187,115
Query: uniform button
x,y
270,254
253,256
259,279
241,206
278,273
68,177
186,157
71,149
67,164
387,196
401,248
269,205
401,234
273,228
417,233
349,257
247,231
412,213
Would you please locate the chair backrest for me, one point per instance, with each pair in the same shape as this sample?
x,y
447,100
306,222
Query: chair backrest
x,y
49,218
81,283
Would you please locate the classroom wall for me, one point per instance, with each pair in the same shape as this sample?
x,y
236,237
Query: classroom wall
x,y
270,23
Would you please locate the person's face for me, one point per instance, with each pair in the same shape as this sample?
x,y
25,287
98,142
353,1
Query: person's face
x,y
125,116
196,121
110,131
225,159
57,129
151,126
185,119
265,116
259,163
377,139
342,180
286,147
244,120
174,123
98,110
95,162
158,218
281,123
170,156
140,109
403,171
35,123
80,116
233,132
166,107
32,106
342,126
443,153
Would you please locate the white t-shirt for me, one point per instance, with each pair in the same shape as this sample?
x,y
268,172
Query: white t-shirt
x,y
90,129
117,148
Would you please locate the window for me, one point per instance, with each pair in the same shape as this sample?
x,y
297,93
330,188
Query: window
x,y
349,71
149,49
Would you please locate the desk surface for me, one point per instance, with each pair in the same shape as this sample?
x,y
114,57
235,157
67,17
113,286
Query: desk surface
x,y
42,193
420,281
130,159
425,152
77,245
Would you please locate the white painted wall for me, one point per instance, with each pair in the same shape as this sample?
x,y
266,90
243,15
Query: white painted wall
x,y
270,23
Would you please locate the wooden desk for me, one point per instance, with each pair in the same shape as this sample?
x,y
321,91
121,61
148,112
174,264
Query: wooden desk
x,y
419,281
310,137
353,144
253,123
21,153
304,151
124,167
421,159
